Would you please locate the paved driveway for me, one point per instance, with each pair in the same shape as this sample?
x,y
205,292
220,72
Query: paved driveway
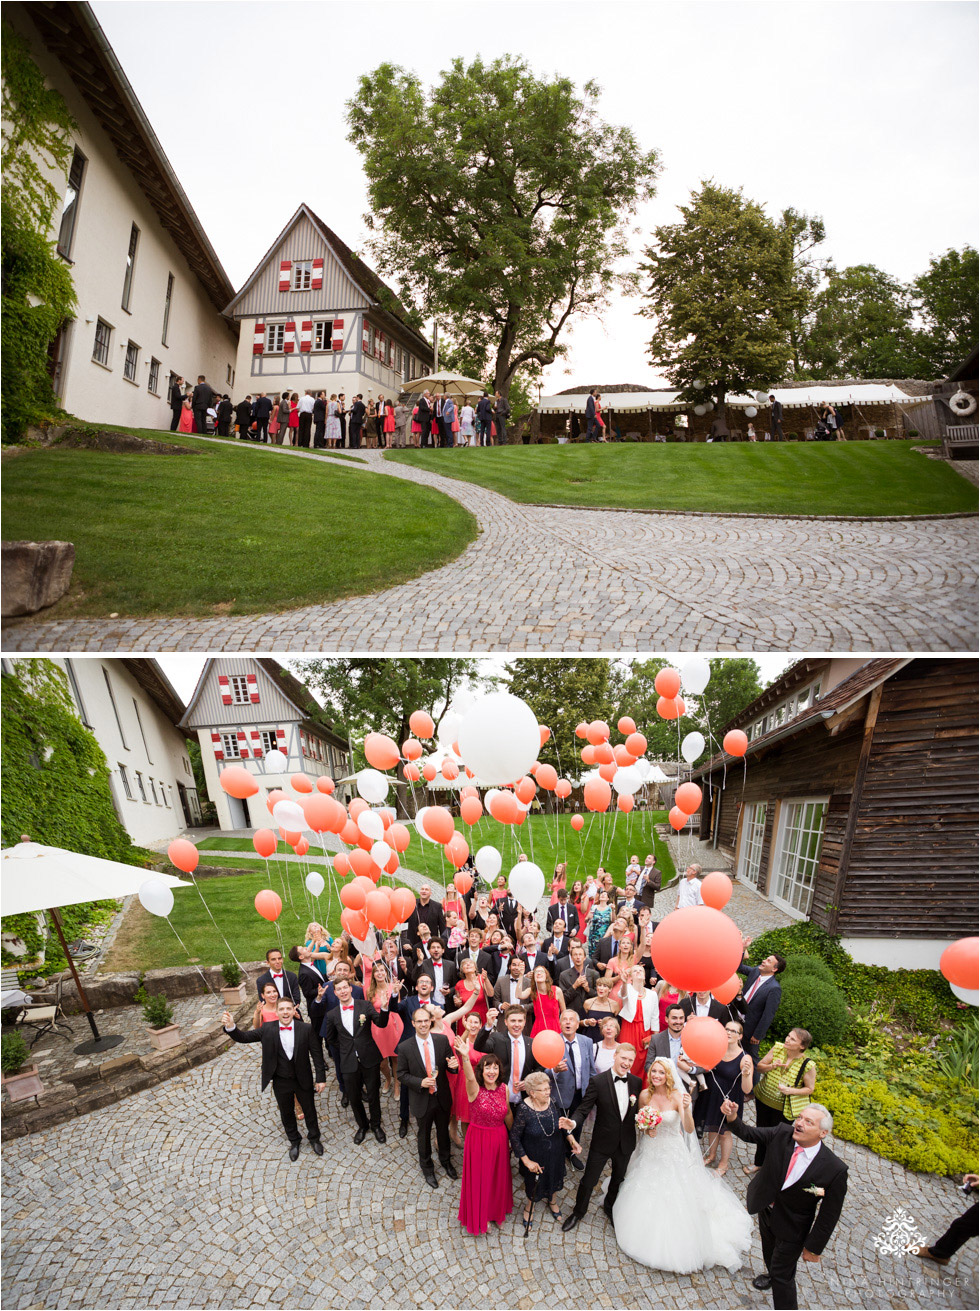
x,y
553,580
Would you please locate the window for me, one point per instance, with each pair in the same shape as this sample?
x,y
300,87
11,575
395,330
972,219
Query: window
x,y
163,793
76,692
131,367
166,307
750,851
270,741
153,789
124,776
186,763
115,708
798,854
229,745
69,215
134,241
153,382
103,340
302,275
322,334
139,721
230,376
139,784
275,336
239,690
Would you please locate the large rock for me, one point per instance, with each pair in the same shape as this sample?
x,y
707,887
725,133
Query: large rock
x,y
34,575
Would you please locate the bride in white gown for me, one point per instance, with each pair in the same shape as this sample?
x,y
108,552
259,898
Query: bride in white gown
x,y
705,1223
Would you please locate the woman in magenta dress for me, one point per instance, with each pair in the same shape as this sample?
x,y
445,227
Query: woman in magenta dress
x,y
486,1193
547,1000
471,1024
470,982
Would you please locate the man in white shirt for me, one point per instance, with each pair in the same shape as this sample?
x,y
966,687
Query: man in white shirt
x,y
304,408
689,890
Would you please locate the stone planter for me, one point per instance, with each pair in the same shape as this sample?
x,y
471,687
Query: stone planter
x,y
25,1083
165,1038
234,996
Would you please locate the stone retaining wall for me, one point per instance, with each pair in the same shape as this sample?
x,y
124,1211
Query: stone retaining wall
x,y
107,992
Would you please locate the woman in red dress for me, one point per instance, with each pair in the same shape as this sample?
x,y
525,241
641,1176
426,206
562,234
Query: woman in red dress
x,y
471,1024
639,1016
547,1000
577,898
470,982
486,1193
558,881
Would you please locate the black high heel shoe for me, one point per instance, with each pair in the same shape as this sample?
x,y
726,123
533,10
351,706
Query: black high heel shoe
x,y
528,1217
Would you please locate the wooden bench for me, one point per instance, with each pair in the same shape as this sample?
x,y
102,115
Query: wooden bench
x,y
959,436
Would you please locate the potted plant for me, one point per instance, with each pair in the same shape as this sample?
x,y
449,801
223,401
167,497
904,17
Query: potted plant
x,y
879,433
913,432
19,1082
159,1015
233,992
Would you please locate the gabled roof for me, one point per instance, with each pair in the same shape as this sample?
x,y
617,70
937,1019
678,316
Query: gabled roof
x,y
838,700
158,688
72,34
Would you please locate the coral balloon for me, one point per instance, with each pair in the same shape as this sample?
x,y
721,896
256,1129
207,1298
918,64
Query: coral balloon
x,y
450,770
322,812
688,798
960,962
704,1040
352,896
238,782
623,756
399,837
545,733
428,771
604,754
341,864
291,838
355,922
636,744
588,755
268,904
597,794
377,907
421,724
625,804
301,847
457,849
357,807
470,810
301,783
727,991
626,726
361,862
412,773
548,1048
608,771
403,903
677,819
504,808
273,799
563,789
669,708
547,777
380,751
412,749
597,732
582,730
184,855
716,890
668,683
577,823
462,883
325,784
735,743
696,948
264,841
526,790
438,824
350,833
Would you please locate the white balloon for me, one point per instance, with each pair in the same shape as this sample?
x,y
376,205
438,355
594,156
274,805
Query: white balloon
x,y
523,805
289,816
750,411
695,675
314,883
692,746
526,883
970,995
643,768
371,825
698,384
709,405
156,897
381,853
275,761
488,862
627,780
372,785
699,410
762,397
499,738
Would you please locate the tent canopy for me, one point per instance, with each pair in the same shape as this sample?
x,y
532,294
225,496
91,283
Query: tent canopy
x,y
639,402
35,877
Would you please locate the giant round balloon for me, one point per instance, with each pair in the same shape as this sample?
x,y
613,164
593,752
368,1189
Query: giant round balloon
x,y
183,855
499,738
696,948
526,884
156,897
238,782
488,862
960,963
372,786
704,1040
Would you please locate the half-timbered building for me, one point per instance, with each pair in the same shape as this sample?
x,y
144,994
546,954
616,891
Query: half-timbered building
x,y
856,803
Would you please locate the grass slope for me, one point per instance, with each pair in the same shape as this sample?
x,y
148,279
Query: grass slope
x,y
854,478
224,531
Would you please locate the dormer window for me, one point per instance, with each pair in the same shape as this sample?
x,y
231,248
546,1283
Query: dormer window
x,y
302,275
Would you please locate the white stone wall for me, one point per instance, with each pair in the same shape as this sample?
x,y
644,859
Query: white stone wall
x,y
898,953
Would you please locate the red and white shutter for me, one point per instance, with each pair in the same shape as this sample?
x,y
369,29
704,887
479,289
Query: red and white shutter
x,y
317,283
242,744
253,688
256,744
338,335
258,341
306,335
219,753
380,346
281,742
366,337
289,338
302,743
285,269
225,688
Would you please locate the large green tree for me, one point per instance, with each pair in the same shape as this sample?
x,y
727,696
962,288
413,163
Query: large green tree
x,y
861,327
734,683
563,693
500,200
946,298
722,293
805,233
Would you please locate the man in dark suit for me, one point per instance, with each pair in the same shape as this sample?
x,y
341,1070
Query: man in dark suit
x,y
423,417
349,1026
286,982
572,1074
760,999
473,950
508,988
557,946
565,911
507,908
533,955
484,418
320,421
313,988
357,413
176,401
443,974
422,1065
406,1008
512,1043
775,419
797,1161
286,1052
427,912
243,418
609,947
702,1003
577,981
201,401
261,414
667,1043
591,432
614,1095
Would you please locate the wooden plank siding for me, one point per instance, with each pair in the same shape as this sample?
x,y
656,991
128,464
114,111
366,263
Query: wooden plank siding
x,y
301,242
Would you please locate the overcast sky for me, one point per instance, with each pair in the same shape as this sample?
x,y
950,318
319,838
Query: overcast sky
x,y
863,113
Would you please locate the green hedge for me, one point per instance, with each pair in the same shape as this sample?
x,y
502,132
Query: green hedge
x,y
810,1003
814,966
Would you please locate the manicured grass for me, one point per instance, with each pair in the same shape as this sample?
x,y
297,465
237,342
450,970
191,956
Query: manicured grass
x,y
236,844
853,478
224,531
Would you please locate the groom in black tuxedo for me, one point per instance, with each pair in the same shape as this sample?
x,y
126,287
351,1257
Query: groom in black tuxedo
x,y
349,1027
799,1174
286,1052
614,1095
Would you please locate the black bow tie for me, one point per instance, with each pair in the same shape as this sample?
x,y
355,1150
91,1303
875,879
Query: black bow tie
x,y
620,1078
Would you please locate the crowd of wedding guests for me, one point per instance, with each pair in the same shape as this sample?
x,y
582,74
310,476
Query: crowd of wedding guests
x,y
441,1019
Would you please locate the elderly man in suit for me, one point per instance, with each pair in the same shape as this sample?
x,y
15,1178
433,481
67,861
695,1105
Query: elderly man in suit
x,y
760,999
572,1075
798,1195
423,417
565,911
775,419
578,980
357,413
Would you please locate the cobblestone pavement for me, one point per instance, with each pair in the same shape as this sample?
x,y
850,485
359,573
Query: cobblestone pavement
x,y
182,1196
540,578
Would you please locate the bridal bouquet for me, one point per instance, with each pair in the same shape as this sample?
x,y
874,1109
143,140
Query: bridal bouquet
x,y
648,1118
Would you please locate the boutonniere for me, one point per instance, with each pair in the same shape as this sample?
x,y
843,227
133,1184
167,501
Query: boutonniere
x,y
632,1099
362,1018
817,1192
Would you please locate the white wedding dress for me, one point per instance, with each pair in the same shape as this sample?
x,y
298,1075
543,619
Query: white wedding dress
x,y
674,1214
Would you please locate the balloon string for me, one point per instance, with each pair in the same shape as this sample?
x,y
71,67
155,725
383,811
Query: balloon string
x,y
197,967
215,923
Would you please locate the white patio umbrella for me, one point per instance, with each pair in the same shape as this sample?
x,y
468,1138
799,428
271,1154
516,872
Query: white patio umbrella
x,y
454,384
34,877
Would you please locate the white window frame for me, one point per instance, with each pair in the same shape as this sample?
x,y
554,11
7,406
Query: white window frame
x,y
275,338
323,334
153,380
789,878
301,275
753,834
99,356
69,212
240,695
229,745
124,778
131,251
131,362
270,741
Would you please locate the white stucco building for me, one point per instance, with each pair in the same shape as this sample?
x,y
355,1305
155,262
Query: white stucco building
x,y
150,287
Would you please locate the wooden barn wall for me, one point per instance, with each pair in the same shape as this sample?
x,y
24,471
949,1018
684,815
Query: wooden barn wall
x,y
913,865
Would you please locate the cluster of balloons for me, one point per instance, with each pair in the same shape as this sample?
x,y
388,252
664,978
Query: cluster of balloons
x,y
960,966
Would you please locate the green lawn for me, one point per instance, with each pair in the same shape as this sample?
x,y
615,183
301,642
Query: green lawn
x,y
860,478
224,531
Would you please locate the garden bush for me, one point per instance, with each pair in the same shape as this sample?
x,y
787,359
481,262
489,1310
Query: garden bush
x,y
814,966
157,1011
14,1052
811,1003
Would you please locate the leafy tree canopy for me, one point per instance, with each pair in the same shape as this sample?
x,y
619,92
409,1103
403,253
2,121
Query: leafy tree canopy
x,y
500,200
563,693
946,298
733,685
861,328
